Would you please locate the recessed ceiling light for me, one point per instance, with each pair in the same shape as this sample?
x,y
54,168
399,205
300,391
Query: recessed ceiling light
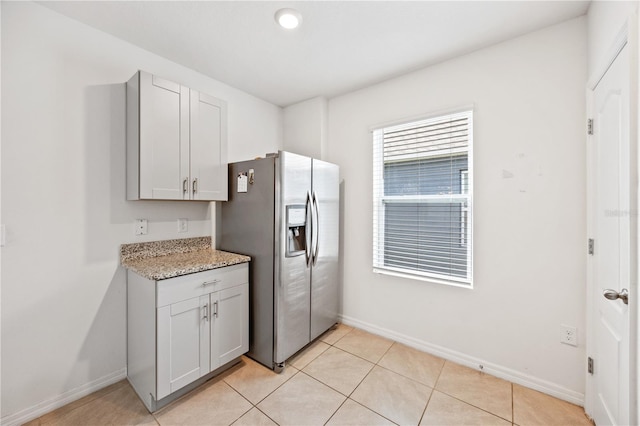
x,y
288,18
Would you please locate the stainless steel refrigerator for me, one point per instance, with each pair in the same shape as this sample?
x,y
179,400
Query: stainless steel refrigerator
x,y
283,211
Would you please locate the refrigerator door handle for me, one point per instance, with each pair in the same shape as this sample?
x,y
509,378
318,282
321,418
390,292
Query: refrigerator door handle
x,y
315,235
308,229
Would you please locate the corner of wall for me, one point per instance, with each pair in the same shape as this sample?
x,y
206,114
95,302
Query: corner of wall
x,y
305,127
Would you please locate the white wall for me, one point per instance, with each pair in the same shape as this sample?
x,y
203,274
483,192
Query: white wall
x,y
529,235
63,190
305,127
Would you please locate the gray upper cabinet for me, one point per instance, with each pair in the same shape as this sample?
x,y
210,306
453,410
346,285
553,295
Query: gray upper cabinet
x,y
176,142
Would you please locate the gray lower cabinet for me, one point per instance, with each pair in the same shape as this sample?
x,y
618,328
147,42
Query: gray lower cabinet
x,y
182,331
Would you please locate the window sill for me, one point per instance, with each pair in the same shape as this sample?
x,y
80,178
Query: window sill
x,y
462,284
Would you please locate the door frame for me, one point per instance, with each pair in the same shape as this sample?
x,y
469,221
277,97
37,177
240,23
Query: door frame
x,y
627,36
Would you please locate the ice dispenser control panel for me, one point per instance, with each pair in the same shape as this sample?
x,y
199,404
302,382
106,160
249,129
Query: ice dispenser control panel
x,y
296,225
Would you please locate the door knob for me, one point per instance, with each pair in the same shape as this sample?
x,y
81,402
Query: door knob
x,y
613,295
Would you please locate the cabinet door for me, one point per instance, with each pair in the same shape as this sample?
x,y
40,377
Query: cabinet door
x,y
230,325
208,148
183,344
164,138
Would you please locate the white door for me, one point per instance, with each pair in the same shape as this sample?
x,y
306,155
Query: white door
x,y
612,218
230,324
208,148
183,344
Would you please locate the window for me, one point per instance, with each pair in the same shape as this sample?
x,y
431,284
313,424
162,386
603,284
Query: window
x,y
422,195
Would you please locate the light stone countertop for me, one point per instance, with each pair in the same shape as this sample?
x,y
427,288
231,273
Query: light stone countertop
x,y
159,260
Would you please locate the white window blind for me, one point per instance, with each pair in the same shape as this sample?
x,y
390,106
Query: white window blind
x,y
422,196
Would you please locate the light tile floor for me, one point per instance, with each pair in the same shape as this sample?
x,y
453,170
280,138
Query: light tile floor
x,y
347,377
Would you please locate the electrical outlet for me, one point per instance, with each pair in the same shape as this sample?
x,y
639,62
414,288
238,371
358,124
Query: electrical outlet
x,y
141,226
183,225
568,335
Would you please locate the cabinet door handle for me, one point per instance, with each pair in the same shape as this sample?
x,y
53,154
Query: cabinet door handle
x,y
215,309
195,185
215,281
206,312
185,184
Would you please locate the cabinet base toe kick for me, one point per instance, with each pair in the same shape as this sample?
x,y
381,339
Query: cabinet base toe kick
x,y
154,405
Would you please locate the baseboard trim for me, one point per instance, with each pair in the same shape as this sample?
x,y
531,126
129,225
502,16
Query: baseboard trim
x,y
49,405
502,372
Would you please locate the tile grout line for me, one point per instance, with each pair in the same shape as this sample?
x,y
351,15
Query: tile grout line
x,y
406,377
334,413
376,364
368,372
316,357
368,360
439,374
322,383
466,402
246,399
280,385
348,397
275,389
474,406
413,380
242,396
359,383
470,404
393,342
362,405
256,405
513,419
424,411
269,417
432,391
300,371
373,411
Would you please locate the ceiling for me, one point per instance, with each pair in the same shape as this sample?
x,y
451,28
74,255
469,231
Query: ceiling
x,y
341,46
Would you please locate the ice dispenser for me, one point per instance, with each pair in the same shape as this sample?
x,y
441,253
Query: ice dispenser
x,y
296,226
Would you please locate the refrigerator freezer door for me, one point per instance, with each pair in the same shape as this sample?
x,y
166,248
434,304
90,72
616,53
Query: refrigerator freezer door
x,y
292,284
324,274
